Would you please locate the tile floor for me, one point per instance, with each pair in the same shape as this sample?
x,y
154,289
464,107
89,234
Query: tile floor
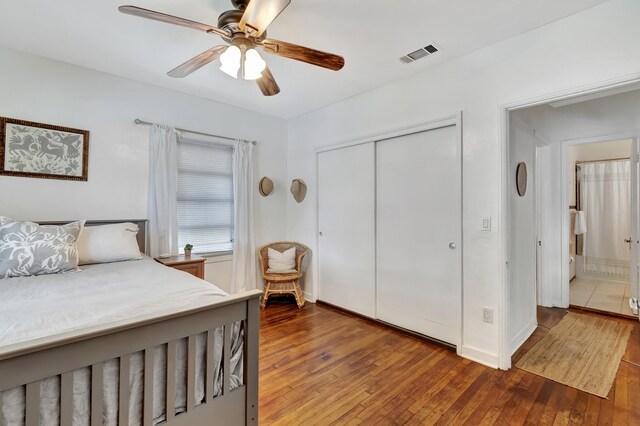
x,y
602,295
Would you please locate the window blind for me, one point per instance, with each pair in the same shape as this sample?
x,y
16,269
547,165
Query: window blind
x,y
205,197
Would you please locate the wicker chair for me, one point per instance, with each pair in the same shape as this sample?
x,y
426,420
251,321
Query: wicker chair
x,y
282,283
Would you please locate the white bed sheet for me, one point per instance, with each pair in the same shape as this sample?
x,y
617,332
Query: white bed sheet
x,y
33,307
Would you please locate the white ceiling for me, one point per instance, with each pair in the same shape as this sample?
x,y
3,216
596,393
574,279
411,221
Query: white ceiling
x,y
370,34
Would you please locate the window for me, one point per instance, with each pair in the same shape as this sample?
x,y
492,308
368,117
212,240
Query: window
x,y
205,197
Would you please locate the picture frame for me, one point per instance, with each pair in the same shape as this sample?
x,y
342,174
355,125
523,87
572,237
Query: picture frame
x,y
45,151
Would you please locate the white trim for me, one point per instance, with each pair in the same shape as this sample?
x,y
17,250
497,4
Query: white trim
x,y
540,300
308,297
608,137
461,165
522,336
447,121
635,237
504,109
564,228
504,357
573,92
480,356
315,259
451,120
594,96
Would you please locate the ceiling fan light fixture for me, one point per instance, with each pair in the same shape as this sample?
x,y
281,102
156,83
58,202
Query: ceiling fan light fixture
x,y
244,29
253,65
230,61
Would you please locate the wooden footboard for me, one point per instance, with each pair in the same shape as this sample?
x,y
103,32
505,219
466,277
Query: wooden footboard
x,y
28,364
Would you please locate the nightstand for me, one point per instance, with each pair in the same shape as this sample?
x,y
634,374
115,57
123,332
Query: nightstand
x,y
193,265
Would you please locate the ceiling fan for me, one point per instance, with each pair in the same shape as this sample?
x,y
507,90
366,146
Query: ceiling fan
x,y
244,29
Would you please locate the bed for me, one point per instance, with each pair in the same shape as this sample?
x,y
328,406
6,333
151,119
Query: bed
x,y
126,343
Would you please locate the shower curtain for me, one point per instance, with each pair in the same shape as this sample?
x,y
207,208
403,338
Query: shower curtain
x,y
606,201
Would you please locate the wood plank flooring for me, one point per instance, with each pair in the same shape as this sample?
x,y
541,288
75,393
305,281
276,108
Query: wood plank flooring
x,y
322,367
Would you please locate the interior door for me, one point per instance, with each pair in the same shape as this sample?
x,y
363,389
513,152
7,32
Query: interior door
x,y
346,219
635,227
419,258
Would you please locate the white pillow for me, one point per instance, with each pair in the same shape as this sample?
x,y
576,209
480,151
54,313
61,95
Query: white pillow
x,y
108,243
281,263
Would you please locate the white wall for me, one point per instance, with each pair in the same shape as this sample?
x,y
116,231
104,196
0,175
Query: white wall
x,y
596,45
38,89
522,245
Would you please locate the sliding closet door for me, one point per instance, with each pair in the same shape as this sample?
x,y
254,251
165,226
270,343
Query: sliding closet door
x,y
419,232
346,210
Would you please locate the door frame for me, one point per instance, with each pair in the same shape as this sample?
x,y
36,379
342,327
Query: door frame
x,y
504,109
542,297
632,135
446,121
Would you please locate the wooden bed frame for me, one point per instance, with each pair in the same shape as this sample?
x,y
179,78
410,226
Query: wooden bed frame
x,y
28,363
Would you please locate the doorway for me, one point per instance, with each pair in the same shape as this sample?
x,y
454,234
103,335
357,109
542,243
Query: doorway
x,y
542,248
600,212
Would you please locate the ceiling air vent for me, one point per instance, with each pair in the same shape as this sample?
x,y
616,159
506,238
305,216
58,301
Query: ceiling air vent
x,y
418,54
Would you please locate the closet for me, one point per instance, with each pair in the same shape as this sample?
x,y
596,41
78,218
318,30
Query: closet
x,y
347,257
389,218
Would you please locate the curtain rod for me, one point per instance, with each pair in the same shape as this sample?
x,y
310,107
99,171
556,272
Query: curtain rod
x,y
602,161
147,123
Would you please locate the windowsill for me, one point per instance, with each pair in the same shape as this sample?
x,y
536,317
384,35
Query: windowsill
x,y
219,256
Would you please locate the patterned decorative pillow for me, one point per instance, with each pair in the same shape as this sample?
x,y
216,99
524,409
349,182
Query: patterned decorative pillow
x,y
27,248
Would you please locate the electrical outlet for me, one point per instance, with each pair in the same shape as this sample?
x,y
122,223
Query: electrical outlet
x,y
487,315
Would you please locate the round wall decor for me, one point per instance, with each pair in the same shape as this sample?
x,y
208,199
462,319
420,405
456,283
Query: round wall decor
x,y
298,190
265,187
521,179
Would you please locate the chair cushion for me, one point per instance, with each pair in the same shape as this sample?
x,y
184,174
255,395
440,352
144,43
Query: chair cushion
x,y
281,263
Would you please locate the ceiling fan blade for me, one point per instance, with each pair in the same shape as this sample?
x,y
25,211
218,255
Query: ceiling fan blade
x,y
163,17
267,83
304,54
198,62
260,13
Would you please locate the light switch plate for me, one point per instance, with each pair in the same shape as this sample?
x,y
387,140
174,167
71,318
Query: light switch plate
x,y
486,224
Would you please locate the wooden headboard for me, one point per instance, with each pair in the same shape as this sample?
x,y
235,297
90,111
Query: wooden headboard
x,y
142,224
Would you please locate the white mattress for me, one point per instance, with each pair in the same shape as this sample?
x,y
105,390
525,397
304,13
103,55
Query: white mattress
x,y
33,307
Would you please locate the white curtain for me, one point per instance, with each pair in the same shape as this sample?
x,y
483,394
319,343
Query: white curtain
x,y
605,199
163,183
243,272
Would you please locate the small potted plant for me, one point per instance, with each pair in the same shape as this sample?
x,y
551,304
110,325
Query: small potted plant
x,y
187,249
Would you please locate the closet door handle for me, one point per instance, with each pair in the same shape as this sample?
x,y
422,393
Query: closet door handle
x,y
452,246
320,233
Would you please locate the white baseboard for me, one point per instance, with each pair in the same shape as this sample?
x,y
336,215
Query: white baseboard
x,y
523,335
308,298
480,356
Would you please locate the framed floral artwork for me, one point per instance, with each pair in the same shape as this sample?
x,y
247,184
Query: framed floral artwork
x,y
45,151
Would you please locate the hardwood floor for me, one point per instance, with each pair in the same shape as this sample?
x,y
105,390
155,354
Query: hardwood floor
x,y
323,367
